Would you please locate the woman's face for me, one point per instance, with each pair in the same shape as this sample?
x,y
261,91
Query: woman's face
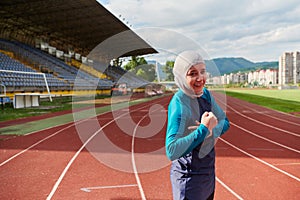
x,y
196,77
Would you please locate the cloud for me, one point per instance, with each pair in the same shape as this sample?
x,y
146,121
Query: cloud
x,y
258,30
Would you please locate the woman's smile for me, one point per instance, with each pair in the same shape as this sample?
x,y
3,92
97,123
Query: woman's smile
x,y
196,78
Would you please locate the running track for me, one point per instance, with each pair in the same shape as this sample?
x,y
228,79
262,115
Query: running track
x,y
258,158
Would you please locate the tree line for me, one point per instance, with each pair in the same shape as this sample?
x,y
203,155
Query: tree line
x,y
140,67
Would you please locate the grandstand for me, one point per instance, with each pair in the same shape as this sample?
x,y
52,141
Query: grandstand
x,y
54,39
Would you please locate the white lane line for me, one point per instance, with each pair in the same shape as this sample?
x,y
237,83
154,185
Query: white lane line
x,y
46,138
133,158
229,189
35,144
266,139
30,147
137,178
263,149
73,159
286,164
275,111
271,126
57,183
89,189
262,161
271,116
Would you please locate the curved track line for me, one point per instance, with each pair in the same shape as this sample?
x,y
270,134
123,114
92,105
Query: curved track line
x,y
136,172
42,140
266,139
133,159
271,116
46,138
270,126
288,114
71,162
262,161
77,153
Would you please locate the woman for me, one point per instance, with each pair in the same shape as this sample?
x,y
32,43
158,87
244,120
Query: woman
x,y
194,121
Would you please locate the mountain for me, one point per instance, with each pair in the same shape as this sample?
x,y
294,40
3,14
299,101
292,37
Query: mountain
x,y
220,66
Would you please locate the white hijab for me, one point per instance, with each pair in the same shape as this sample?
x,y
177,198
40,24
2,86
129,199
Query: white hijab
x,y
183,62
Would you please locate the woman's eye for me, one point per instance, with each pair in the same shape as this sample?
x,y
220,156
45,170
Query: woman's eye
x,y
192,74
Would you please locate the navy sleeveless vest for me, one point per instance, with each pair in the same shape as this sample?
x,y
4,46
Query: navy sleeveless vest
x,y
193,175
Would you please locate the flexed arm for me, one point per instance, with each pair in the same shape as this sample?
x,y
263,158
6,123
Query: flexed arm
x,y
178,143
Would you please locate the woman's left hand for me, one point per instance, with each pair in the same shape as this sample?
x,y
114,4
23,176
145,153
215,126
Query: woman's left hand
x,y
192,128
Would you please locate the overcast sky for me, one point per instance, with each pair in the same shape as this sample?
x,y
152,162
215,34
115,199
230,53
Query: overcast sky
x,y
258,30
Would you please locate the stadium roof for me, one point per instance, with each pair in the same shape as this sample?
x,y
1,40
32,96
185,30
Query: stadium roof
x,y
79,25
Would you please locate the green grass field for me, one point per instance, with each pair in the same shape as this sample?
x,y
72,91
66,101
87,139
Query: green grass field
x,y
282,100
33,126
274,99
58,104
291,95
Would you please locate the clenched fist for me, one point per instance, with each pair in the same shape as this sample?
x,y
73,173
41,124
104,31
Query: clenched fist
x,y
208,119
213,121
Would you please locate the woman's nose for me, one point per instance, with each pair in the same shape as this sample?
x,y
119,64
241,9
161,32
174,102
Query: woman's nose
x,y
199,77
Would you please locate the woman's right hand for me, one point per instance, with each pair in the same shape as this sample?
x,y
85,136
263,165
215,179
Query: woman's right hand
x,y
205,118
209,120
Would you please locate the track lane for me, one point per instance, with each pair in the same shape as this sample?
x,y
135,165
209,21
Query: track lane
x,y
95,144
264,150
273,116
51,148
270,116
14,146
252,179
28,176
266,143
254,124
151,182
155,185
266,132
268,152
282,125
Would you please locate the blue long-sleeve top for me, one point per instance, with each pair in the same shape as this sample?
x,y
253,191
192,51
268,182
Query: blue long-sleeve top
x,y
183,111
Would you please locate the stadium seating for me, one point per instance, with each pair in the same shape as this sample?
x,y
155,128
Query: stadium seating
x,y
18,80
42,61
120,75
59,75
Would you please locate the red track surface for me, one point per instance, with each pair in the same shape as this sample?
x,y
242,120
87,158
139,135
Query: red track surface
x,y
258,158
